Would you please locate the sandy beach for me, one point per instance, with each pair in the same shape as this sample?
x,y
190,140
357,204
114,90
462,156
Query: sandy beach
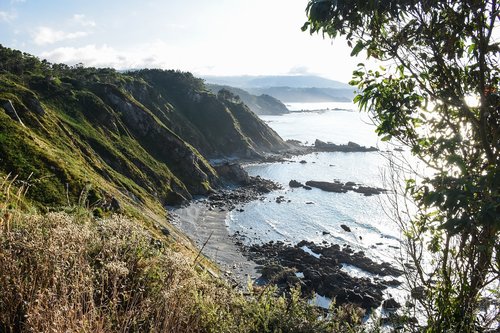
x,y
203,225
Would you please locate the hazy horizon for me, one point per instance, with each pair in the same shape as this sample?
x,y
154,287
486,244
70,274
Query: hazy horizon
x,y
227,38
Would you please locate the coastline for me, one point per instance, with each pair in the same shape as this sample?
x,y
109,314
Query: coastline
x,y
205,225
331,269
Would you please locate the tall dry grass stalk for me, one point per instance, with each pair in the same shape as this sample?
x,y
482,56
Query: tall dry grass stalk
x,y
12,194
108,276
63,272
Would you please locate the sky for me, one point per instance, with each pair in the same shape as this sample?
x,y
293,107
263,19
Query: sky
x,y
205,37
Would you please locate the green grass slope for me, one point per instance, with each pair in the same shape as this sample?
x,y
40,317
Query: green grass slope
x,y
142,136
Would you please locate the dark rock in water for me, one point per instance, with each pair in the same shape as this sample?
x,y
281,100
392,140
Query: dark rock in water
x,y
391,304
280,199
339,187
346,228
367,191
307,187
351,147
322,271
326,186
264,189
392,283
294,184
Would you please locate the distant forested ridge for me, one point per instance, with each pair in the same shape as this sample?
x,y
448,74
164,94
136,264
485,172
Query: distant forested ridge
x,y
260,104
289,88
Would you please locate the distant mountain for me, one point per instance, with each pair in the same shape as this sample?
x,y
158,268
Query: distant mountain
x,y
261,105
292,81
306,95
289,88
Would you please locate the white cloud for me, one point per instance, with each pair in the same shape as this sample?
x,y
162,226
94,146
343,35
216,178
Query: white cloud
x,y
82,20
7,16
148,55
159,54
99,56
90,55
300,70
46,35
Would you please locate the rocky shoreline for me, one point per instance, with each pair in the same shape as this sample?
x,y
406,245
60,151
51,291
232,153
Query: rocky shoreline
x,y
240,188
319,269
203,220
315,268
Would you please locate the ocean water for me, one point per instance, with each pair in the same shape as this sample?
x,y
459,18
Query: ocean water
x,y
316,215
334,125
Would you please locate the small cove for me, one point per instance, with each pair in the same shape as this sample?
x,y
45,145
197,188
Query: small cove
x,y
316,215
292,215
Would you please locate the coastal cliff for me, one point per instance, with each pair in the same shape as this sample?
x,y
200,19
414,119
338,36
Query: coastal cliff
x,y
144,136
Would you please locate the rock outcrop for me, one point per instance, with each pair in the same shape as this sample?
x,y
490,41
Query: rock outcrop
x,y
295,184
232,173
322,273
339,187
350,147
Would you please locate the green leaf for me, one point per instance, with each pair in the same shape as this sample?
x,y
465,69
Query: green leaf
x,y
458,161
357,48
386,138
471,48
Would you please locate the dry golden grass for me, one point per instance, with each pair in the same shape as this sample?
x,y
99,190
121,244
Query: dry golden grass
x,y
63,272
65,276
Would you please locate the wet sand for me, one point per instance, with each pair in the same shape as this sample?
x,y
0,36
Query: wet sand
x,y
203,225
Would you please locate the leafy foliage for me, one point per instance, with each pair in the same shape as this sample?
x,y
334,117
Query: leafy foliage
x,y
440,55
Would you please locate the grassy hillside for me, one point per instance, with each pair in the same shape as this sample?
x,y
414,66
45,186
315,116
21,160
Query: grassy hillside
x,y
68,271
142,137
79,145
